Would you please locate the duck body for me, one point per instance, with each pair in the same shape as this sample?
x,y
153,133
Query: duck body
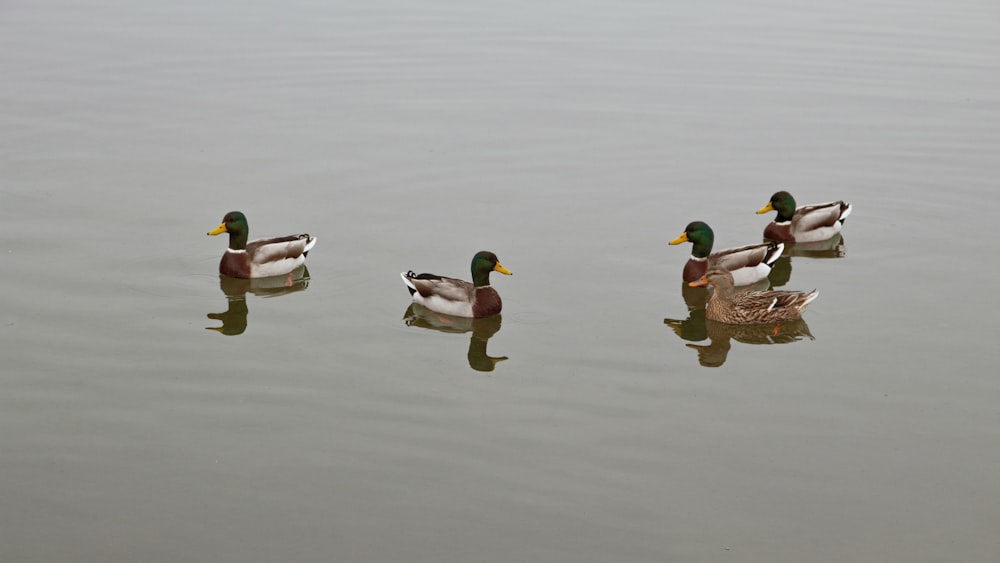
x,y
267,257
452,296
459,298
747,264
259,258
752,307
809,223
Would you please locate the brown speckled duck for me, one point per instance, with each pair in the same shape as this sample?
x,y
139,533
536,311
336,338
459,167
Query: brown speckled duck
x,y
752,307
748,264
458,297
259,258
810,223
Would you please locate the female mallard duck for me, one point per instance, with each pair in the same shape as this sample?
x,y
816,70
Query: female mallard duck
x,y
748,264
810,223
752,307
458,297
262,257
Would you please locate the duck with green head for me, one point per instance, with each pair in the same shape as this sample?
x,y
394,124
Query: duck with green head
x,y
259,258
750,307
748,264
457,297
809,223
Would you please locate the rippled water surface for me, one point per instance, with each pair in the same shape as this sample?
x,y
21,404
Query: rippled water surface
x,y
601,418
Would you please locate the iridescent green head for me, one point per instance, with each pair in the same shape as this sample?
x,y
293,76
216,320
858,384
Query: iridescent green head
x,y
700,235
483,263
783,203
234,223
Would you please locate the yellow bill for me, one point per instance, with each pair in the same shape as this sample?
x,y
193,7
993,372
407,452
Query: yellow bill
x,y
765,209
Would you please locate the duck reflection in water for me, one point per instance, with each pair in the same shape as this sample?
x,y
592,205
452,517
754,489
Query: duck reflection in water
x,y
234,320
824,249
697,328
482,330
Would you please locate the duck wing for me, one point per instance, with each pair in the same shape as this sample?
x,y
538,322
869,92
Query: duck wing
x,y
262,251
450,289
789,299
749,256
818,216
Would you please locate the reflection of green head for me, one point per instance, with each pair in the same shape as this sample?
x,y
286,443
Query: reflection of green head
x,y
700,235
483,263
482,331
234,223
234,320
479,360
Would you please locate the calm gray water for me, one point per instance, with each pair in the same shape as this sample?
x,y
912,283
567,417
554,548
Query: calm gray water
x,y
329,421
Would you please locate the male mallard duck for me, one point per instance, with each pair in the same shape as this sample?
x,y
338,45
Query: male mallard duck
x,y
262,257
458,297
752,307
748,264
810,223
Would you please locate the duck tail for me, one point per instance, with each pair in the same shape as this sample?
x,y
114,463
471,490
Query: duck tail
x,y
310,242
406,280
845,210
809,298
773,253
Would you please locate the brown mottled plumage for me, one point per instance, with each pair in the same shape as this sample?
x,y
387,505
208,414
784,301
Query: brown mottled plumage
x,y
752,307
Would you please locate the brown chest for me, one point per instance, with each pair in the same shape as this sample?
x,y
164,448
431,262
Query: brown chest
x,y
779,231
235,264
487,303
694,270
